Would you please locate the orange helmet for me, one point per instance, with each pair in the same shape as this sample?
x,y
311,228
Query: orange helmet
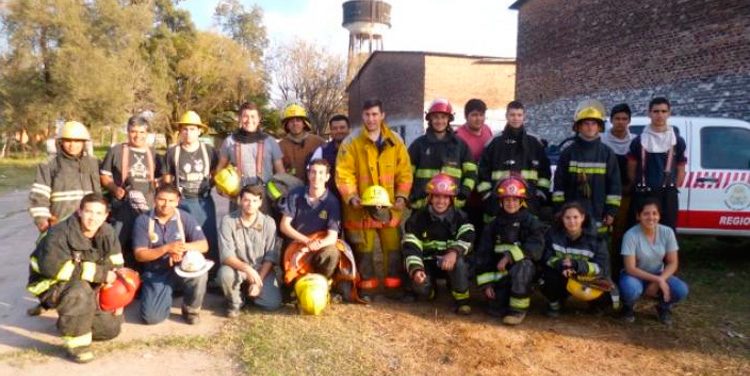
x,y
121,292
512,186
442,184
440,105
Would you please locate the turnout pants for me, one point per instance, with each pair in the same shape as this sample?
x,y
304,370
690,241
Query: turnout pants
x,y
363,242
513,291
80,321
458,280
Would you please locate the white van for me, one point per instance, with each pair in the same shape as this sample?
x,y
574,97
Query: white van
x,y
715,197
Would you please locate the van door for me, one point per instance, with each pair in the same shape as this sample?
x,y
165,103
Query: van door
x,y
718,180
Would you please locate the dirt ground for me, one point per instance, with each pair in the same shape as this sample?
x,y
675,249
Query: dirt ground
x,y
383,338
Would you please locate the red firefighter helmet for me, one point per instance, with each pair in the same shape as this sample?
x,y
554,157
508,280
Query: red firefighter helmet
x,y
442,184
512,186
121,292
440,105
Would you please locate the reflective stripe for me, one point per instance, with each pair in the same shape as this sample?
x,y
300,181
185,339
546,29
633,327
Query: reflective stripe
x,y
371,283
392,282
543,183
41,286
453,172
403,188
88,271
413,261
435,245
593,268
529,174
558,196
412,239
488,277
484,186
80,341
66,271
462,245
613,200
425,173
41,189
553,260
499,174
40,212
520,303
368,223
460,295
573,251
516,253
418,204
116,259
594,168
469,166
459,203
469,183
466,227
34,264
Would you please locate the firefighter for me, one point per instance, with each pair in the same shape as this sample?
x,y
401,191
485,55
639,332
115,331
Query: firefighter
x,y
575,256
189,165
515,151
128,172
440,151
68,265
64,179
508,250
375,156
587,171
299,144
437,239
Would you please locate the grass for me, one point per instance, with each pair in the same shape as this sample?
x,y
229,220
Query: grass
x,y
17,173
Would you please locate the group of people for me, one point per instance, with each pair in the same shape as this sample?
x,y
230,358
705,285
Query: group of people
x,y
306,216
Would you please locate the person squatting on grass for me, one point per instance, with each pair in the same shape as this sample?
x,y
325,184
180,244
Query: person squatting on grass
x,y
649,251
510,246
437,239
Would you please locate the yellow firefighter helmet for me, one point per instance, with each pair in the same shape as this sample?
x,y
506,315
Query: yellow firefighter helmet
x,y
73,130
227,181
590,109
312,293
581,291
376,195
192,118
295,111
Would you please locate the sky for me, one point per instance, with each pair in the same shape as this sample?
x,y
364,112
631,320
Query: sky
x,y
472,27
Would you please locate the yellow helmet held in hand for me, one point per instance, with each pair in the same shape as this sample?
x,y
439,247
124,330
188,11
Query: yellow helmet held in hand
x,y
73,130
312,293
582,291
227,181
295,111
590,109
376,195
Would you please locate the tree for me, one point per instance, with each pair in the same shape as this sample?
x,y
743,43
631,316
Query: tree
x,y
309,75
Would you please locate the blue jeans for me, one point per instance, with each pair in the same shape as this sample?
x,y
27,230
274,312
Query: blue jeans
x,y
156,294
631,289
203,210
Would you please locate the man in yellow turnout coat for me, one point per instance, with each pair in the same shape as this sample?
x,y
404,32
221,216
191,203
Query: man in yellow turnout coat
x,y
374,155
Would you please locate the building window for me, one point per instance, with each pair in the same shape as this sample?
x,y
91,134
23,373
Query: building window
x,y
725,148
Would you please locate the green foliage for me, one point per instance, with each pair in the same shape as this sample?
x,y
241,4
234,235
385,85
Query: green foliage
x,y
102,61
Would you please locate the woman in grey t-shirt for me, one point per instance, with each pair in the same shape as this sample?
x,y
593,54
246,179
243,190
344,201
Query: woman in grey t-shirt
x,y
649,252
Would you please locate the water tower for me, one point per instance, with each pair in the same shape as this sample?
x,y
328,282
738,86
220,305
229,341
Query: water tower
x,y
366,21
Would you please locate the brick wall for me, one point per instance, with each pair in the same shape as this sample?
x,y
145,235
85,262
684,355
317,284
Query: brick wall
x,y
696,52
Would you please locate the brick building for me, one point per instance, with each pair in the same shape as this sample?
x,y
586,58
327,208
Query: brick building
x,y
695,52
407,82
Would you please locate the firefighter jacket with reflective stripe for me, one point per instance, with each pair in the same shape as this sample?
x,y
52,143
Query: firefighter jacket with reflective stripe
x,y
519,235
514,151
65,254
588,253
362,163
427,236
587,172
60,184
450,155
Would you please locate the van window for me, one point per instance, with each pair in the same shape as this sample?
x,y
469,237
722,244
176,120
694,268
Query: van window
x,y
725,148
